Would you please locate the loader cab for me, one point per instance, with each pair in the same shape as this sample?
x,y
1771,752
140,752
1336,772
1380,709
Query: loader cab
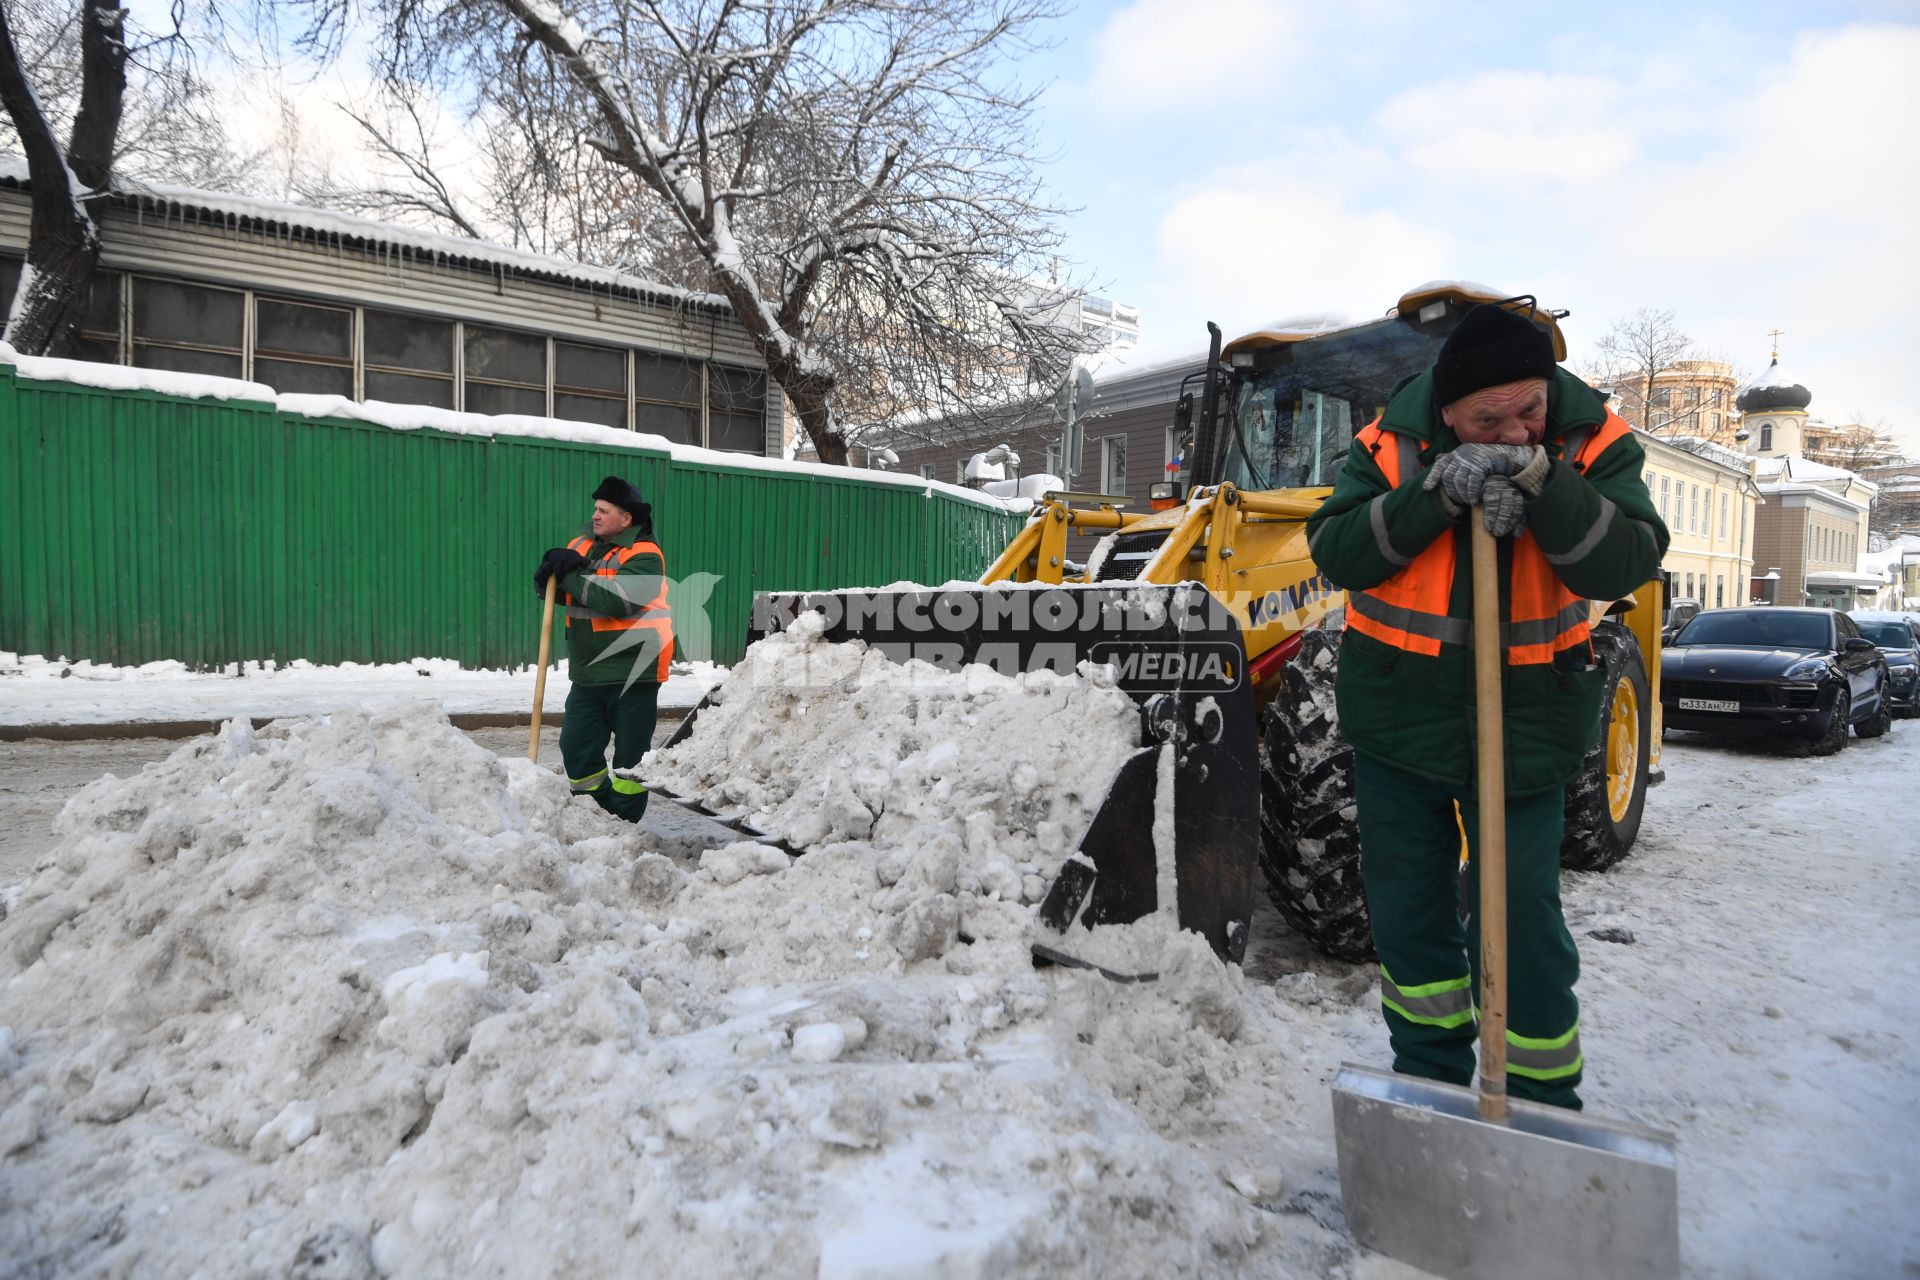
x,y
1294,394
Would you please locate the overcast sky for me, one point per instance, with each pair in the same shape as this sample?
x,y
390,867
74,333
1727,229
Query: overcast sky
x,y
1747,166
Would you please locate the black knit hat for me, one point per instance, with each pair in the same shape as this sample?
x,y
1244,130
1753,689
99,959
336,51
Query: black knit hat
x,y
1491,347
623,495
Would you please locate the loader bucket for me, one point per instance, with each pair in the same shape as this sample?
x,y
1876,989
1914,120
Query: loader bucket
x,y
1178,653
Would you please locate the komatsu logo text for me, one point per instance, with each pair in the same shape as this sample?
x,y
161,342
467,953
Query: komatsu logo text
x,y
1289,601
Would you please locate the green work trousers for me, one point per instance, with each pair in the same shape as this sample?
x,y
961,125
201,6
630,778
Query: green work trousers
x,y
595,714
1430,961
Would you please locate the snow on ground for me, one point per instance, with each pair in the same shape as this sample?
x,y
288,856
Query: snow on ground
x,y
350,996
35,690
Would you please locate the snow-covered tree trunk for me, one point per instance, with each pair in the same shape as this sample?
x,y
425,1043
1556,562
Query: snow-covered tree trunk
x,y
63,247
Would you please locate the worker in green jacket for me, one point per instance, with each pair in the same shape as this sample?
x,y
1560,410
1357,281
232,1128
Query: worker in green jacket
x,y
1496,424
619,645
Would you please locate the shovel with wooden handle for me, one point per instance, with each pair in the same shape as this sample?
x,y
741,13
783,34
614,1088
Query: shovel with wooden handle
x,y
1480,1186
540,674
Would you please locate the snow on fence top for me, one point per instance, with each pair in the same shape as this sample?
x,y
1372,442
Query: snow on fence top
x,y
432,245
414,417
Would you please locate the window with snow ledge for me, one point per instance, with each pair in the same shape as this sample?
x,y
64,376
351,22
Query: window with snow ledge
x,y
666,396
590,384
1113,465
303,347
188,328
407,359
736,409
505,372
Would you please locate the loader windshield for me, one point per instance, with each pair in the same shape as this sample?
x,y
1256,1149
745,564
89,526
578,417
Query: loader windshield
x,y
1294,413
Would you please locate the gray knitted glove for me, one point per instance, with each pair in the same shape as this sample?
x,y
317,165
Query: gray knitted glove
x,y
1461,474
1503,509
1533,475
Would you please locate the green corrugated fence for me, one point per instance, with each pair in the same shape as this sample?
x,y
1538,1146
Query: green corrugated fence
x,y
136,526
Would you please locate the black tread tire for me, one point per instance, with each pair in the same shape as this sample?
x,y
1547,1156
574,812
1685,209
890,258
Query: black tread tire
x,y
1834,740
1881,722
1309,838
1592,840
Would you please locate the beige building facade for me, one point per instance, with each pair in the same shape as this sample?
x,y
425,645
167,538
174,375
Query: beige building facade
x,y
1706,495
1695,398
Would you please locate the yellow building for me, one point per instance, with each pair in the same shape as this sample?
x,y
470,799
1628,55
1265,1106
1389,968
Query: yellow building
x,y
1706,494
1694,398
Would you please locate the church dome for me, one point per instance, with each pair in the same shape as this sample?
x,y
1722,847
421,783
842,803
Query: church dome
x,y
1772,391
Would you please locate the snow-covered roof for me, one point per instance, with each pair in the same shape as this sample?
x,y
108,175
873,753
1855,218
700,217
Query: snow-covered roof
x,y
1807,469
373,234
1792,467
1312,325
1799,487
1463,286
1701,447
1775,376
1773,390
414,417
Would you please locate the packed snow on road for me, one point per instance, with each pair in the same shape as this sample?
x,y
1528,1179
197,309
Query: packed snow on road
x,y
349,996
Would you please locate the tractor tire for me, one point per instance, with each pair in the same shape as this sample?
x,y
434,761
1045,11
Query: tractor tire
x,y
1605,803
1309,838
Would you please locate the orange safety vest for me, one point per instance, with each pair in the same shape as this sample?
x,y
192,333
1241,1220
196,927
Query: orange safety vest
x,y
1409,610
654,614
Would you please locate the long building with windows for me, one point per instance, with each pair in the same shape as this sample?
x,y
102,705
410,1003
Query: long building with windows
x,y
305,300
1707,496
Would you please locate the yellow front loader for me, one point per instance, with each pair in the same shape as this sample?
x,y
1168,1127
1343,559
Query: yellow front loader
x,y
1214,617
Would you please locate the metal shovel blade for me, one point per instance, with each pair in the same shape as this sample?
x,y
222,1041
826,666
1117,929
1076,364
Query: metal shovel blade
x,y
1551,1192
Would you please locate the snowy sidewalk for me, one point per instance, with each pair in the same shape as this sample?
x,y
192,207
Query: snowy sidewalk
x,y
42,692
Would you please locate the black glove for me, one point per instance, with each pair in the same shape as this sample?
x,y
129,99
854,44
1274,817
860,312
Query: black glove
x,y
560,562
1461,474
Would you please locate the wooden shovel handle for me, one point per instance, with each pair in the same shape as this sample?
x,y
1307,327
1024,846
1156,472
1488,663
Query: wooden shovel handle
x,y
540,674
1488,661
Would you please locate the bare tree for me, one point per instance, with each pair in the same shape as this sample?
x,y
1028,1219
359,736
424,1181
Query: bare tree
x,y
853,176
1633,355
400,130
128,101
1861,444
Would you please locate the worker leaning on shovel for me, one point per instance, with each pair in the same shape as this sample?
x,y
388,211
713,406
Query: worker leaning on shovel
x,y
619,644
1498,423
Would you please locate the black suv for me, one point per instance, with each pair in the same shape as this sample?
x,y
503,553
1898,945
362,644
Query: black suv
x,y
1803,675
1898,637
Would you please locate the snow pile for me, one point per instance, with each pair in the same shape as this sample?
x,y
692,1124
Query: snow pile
x,y
819,743
351,996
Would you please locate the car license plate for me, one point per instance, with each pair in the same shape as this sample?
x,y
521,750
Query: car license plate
x,y
1707,704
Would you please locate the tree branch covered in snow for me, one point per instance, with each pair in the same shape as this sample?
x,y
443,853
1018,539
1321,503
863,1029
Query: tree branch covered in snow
x,y
855,176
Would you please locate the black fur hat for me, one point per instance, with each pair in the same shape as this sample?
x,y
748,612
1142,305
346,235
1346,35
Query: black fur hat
x,y
1492,346
623,495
